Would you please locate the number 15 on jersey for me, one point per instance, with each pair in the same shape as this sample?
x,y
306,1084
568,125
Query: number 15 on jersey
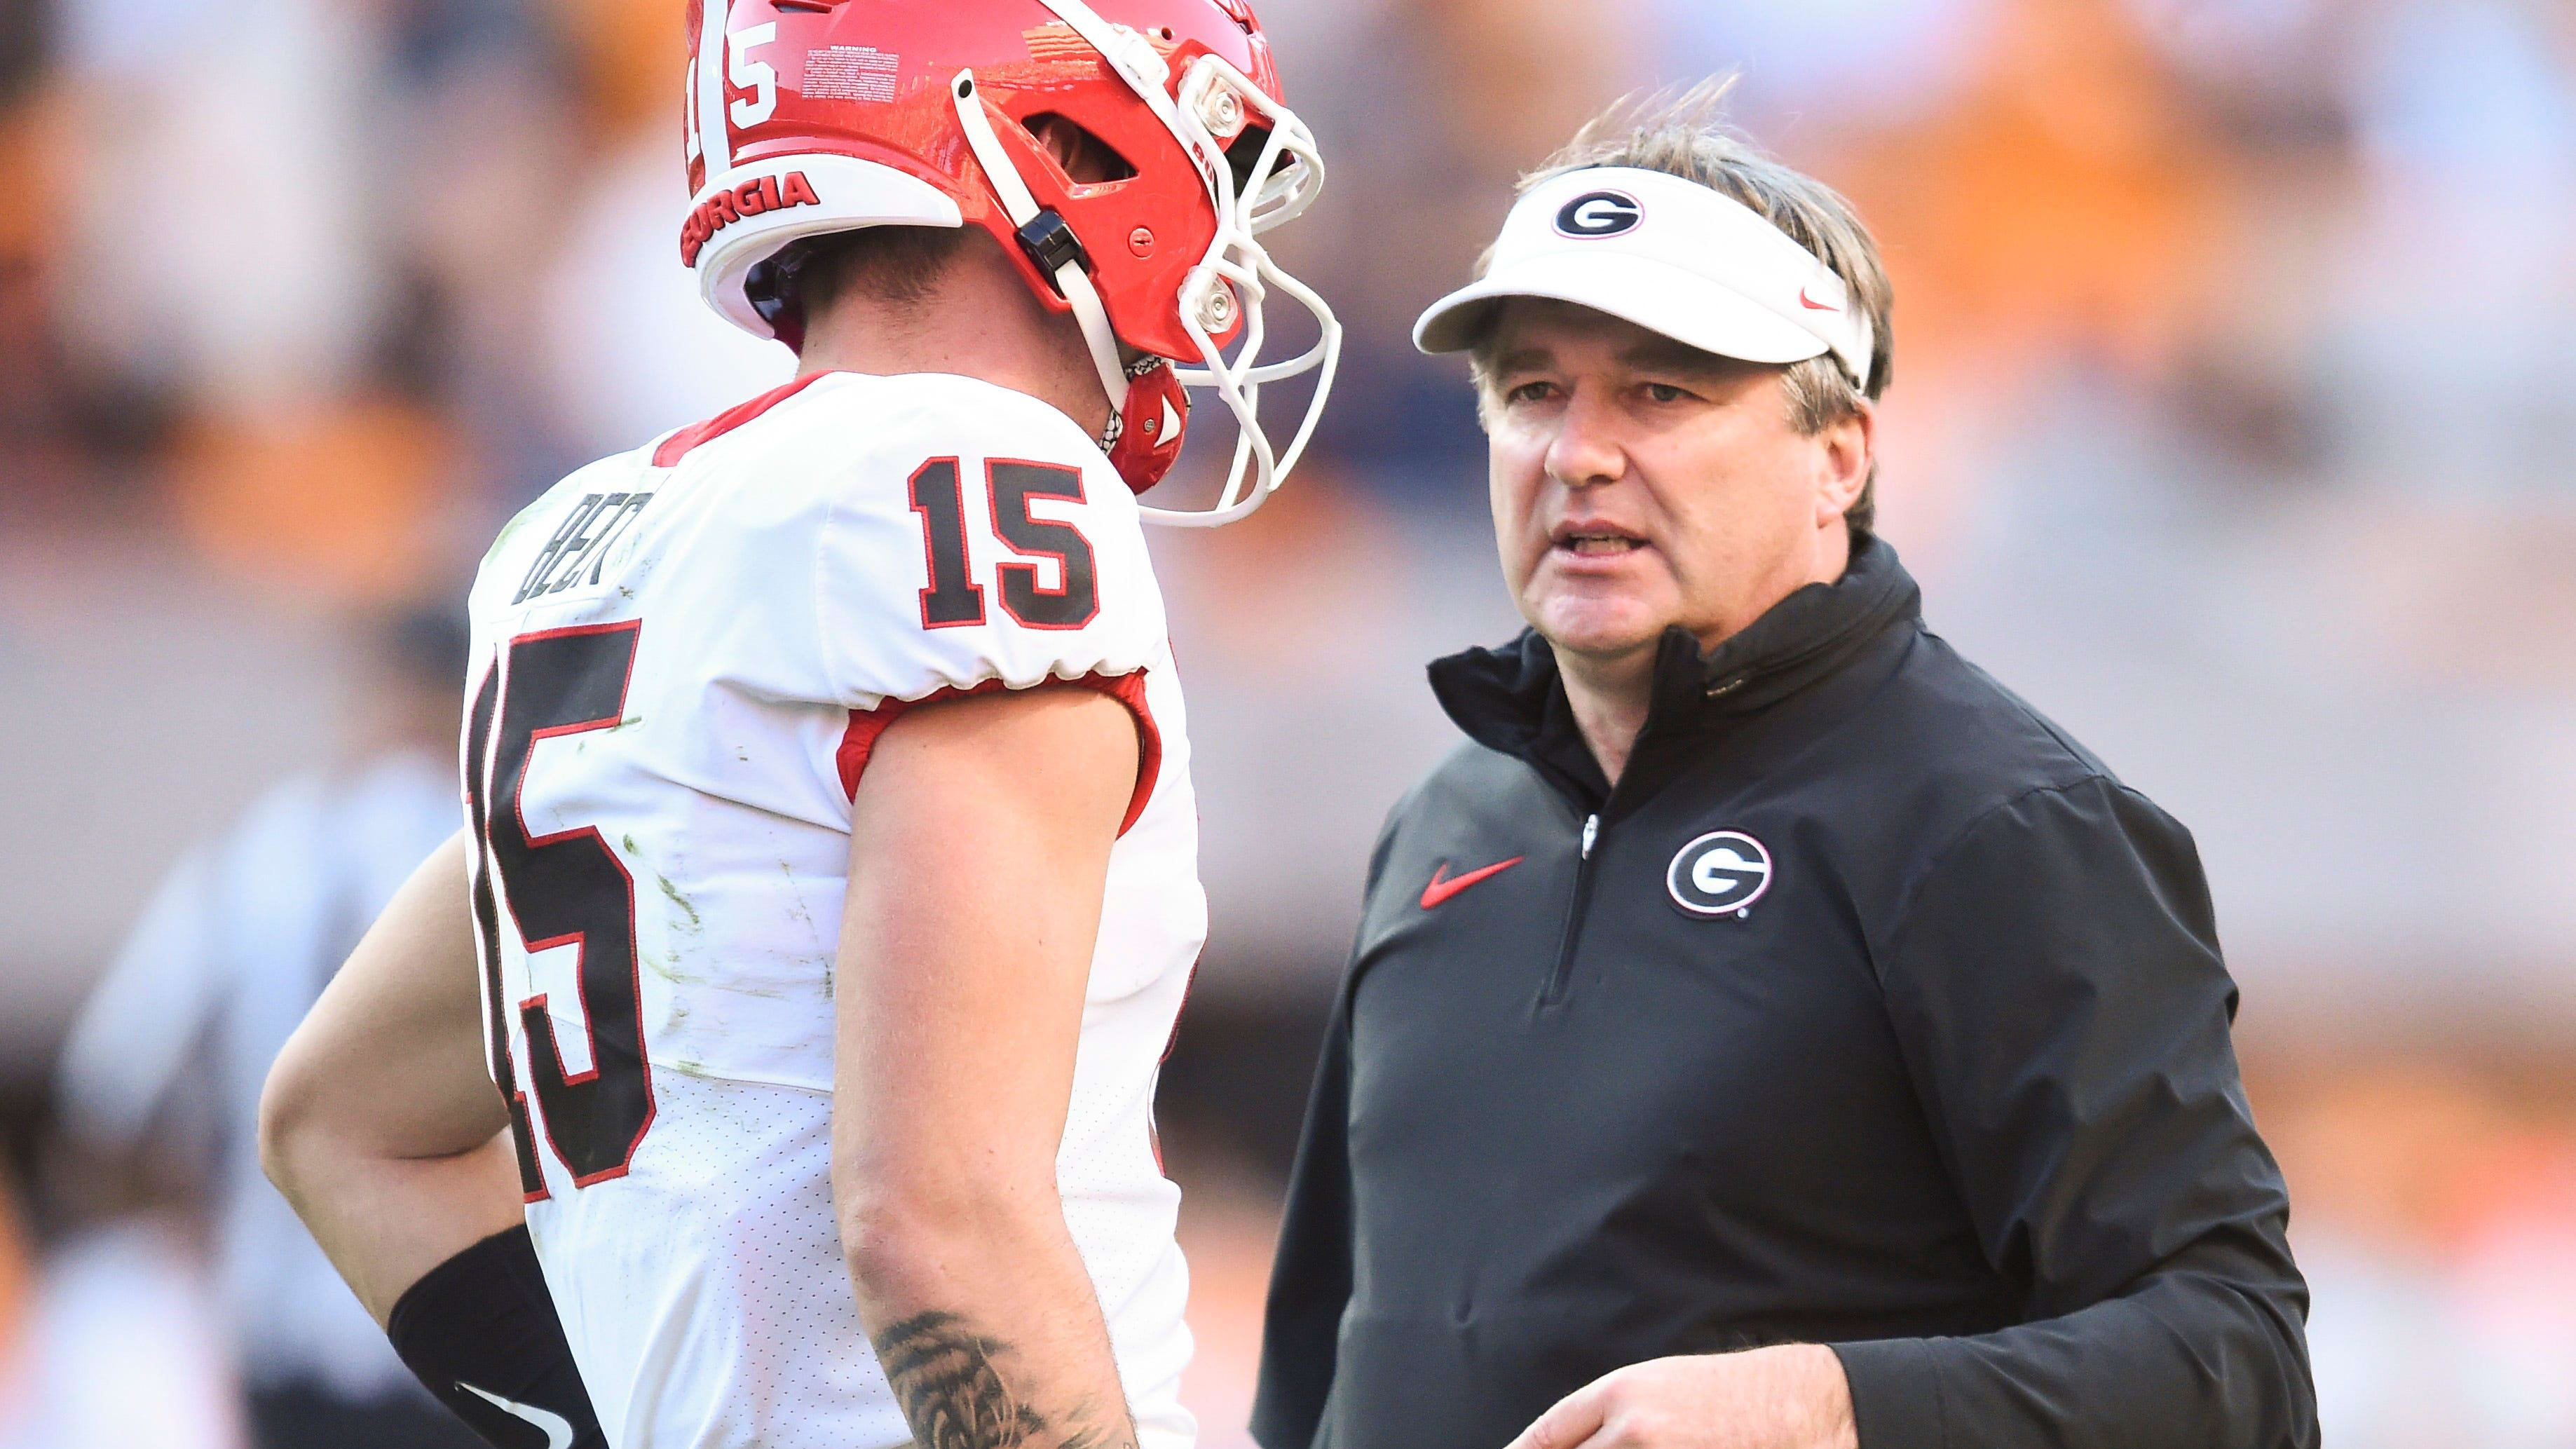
x,y
564,889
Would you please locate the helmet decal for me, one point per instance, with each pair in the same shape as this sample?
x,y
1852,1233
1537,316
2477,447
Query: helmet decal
x,y
752,198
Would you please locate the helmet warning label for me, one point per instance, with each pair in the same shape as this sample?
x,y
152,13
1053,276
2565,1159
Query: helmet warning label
x,y
850,73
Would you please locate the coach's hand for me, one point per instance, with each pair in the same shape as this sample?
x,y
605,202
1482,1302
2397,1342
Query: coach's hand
x,y
1790,1397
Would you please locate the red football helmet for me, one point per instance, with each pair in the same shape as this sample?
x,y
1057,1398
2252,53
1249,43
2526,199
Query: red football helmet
x,y
812,116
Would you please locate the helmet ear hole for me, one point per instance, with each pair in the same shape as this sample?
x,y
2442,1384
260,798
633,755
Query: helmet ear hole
x,y
1085,159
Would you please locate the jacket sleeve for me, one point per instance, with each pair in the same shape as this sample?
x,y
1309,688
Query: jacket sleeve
x,y
2057,988
1310,1282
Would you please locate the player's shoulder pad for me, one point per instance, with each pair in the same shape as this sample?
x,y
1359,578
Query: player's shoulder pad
x,y
900,421
970,413
975,534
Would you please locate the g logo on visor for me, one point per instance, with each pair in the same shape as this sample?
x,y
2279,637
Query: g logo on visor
x,y
1598,214
1719,874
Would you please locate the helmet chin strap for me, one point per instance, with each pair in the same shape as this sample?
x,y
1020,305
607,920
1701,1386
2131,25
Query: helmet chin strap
x,y
1052,244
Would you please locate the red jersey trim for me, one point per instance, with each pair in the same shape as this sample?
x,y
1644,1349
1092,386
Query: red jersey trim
x,y
860,739
681,443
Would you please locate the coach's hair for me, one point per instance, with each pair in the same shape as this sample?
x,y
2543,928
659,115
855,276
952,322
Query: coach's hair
x,y
1684,133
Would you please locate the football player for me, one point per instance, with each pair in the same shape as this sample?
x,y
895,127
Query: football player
x,y
829,884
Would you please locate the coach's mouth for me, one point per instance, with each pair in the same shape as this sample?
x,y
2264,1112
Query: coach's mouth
x,y
1593,540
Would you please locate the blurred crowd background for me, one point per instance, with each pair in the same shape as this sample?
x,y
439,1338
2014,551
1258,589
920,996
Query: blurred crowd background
x,y
2234,408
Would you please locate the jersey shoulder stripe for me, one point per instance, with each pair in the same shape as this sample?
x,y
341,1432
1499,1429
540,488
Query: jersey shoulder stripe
x,y
672,449
859,740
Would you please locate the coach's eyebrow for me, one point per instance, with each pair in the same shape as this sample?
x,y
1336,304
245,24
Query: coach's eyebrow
x,y
1662,354
1525,359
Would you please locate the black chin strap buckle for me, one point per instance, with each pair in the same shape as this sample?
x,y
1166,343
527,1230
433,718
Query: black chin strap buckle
x,y
1051,244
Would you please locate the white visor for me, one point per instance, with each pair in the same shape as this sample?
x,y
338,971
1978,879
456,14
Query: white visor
x,y
1669,255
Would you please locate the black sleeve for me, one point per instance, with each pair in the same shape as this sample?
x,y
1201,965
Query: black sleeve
x,y
1310,1282
2057,988
480,1331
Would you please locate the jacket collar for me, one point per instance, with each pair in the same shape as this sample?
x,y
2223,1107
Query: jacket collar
x,y
1512,700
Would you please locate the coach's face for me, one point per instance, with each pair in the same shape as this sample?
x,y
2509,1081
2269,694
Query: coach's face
x,y
1638,483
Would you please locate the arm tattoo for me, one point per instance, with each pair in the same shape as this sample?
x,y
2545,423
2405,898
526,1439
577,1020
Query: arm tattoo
x,y
943,1375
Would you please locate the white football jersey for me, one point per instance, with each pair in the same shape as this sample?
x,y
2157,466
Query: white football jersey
x,y
683,655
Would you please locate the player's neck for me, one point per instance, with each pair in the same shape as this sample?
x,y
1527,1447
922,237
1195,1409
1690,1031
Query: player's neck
x,y
978,320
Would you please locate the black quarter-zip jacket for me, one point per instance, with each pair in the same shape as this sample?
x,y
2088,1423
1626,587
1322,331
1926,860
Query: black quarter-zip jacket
x,y
1924,1056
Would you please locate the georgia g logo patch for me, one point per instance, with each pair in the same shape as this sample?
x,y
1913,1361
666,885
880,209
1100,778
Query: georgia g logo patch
x,y
1599,214
1720,874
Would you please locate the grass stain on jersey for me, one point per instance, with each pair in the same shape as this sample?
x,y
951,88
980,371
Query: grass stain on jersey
x,y
668,968
796,901
517,521
673,1024
696,922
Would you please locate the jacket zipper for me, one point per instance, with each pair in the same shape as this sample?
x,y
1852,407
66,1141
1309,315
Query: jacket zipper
x,y
1557,979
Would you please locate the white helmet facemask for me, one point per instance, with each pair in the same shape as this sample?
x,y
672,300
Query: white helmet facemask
x,y
1235,276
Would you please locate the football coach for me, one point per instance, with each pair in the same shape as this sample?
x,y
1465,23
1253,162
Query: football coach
x,y
1767,1032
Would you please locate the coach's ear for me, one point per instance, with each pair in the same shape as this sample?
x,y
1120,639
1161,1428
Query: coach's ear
x,y
1846,454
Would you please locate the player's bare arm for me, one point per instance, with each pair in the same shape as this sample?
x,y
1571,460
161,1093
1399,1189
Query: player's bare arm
x,y
379,1122
980,846
381,1126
